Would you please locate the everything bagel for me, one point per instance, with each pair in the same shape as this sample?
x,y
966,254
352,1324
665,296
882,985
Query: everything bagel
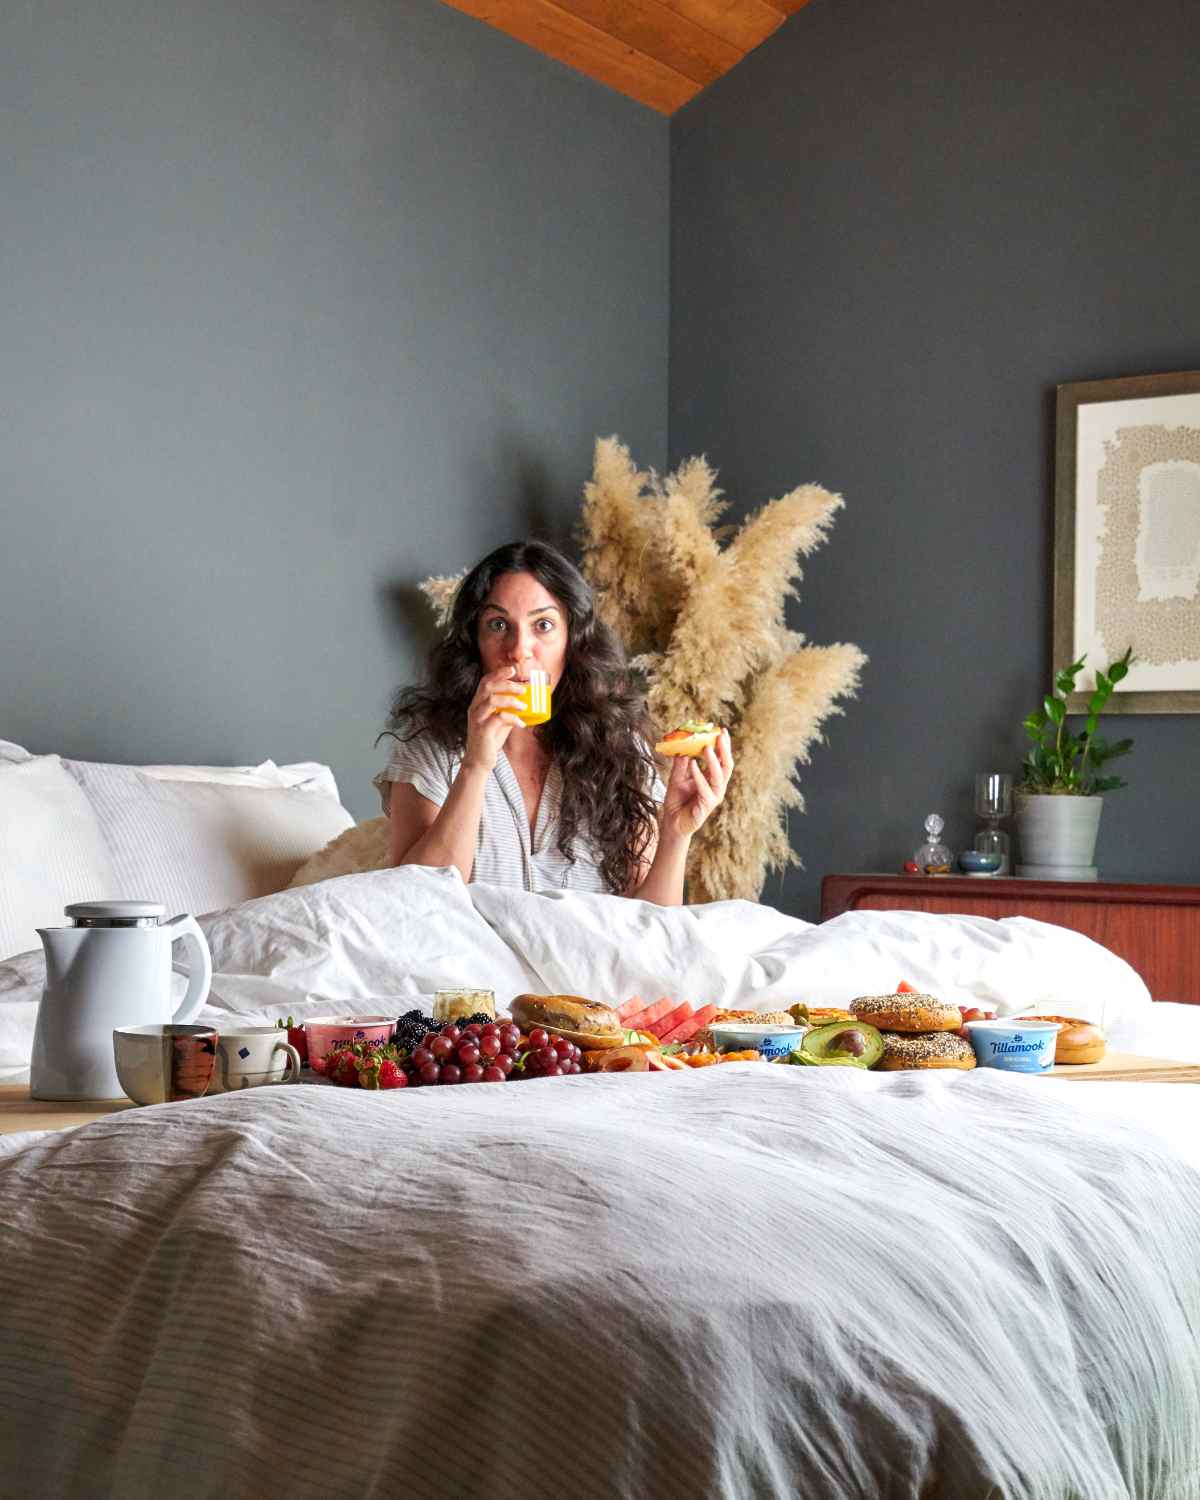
x,y
906,1012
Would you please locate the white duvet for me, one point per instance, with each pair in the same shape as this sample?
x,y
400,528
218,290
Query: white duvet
x,y
748,1282
745,1282
392,937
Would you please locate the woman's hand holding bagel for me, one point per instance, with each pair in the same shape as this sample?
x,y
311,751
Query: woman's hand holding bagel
x,y
697,787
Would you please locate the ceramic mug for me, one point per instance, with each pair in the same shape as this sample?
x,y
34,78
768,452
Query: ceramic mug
x,y
253,1056
160,1063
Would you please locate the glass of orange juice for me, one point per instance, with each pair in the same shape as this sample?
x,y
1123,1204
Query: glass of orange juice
x,y
535,697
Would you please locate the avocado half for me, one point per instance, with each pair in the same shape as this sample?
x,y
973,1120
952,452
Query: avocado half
x,y
846,1044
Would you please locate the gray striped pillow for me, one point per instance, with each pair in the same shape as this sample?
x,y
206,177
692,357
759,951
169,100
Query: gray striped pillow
x,y
203,846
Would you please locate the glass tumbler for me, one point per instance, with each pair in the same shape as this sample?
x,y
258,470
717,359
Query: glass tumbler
x,y
457,1005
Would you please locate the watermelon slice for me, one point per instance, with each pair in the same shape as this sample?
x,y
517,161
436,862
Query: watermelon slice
x,y
645,1020
694,1023
672,1019
630,1009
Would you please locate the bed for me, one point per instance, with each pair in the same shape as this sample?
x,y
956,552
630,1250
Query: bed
x,y
746,1282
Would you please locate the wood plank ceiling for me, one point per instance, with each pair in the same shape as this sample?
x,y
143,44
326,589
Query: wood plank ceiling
x,y
659,52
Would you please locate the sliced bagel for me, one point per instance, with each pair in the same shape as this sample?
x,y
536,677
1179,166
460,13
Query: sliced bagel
x,y
691,738
587,1023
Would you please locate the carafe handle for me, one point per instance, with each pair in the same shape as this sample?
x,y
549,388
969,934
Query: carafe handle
x,y
186,929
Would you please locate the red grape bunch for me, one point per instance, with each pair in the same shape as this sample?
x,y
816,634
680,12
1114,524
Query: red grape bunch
x,y
490,1052
543,1055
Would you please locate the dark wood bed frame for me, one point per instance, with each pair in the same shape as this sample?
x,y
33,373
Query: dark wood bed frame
x,y
1156,928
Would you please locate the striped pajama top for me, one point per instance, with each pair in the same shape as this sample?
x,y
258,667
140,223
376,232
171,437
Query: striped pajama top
x,y
505,854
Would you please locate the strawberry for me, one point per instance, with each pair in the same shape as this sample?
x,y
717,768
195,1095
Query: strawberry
x,y
368,1071
391,1074
341,1066
298,1038
359,1066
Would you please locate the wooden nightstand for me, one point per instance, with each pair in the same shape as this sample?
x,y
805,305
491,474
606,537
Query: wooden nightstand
x,y
19,1112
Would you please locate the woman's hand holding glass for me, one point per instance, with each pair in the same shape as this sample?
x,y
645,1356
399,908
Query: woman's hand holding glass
x,y
492,717
696,787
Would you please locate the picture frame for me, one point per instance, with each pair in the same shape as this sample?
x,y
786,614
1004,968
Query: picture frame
x,y
1127,538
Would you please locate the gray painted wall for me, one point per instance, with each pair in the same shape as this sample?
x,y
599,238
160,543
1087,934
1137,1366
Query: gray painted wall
x,y
895,228
299,302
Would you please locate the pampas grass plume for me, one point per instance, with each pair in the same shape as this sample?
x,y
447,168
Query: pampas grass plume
x,y
440,592
708,629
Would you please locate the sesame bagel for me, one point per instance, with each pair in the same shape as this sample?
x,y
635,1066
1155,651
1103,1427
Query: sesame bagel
x,y
925,1049
910,1012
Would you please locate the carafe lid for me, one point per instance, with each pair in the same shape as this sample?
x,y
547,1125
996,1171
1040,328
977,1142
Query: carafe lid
x,y
115,913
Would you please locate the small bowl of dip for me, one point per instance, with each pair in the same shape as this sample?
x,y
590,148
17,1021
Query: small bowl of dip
x,y
1016,1046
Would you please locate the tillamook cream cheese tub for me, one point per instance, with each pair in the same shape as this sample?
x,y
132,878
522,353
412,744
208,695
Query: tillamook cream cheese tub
x,y
1016,1046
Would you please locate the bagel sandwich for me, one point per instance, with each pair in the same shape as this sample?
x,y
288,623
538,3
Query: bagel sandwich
x,y
692,737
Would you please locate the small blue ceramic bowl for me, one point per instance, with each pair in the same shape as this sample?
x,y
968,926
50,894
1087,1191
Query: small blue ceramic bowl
x,y
1016,1046
972,862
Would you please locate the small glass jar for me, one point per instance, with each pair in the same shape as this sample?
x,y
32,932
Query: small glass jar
x,y
455,1005
933,857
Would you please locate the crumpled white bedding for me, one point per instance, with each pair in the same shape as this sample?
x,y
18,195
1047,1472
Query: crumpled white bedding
x,y
742,1284
388,939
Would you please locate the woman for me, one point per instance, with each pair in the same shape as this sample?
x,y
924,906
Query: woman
x,y
575,802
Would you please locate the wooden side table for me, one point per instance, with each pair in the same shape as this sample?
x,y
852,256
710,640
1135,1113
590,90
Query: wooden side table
x,y
19,1112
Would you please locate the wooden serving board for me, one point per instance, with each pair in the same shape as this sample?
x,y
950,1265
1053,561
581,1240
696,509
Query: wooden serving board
x,y
19,1112
1125,1067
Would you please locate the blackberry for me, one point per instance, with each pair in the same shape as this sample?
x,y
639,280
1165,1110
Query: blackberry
x,y
410,1029
477,1019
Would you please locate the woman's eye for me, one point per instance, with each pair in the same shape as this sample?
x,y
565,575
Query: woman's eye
x,y
549,624
496,623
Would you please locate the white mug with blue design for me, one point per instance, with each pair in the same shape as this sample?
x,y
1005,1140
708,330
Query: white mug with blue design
x,y
253,1056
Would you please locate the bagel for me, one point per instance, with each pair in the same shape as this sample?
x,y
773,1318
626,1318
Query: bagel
x,y
1077,1041
691,738
906,1012
587,1023
904,1050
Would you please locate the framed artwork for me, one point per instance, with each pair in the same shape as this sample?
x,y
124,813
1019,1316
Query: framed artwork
x,y
1127,538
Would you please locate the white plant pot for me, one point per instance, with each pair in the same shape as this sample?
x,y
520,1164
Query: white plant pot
x,y
1058,835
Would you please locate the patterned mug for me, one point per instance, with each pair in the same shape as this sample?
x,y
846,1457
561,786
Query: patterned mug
x,y
251,1057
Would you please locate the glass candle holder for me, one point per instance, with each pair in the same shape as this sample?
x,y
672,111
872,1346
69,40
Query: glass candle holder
x,y
993,802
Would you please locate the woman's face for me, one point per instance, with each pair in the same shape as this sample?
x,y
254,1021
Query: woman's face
x,y
522,625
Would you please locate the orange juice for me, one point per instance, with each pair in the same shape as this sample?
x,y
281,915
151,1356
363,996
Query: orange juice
x,y
535,698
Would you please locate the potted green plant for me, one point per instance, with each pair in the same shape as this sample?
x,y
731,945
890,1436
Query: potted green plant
x,y
1061,796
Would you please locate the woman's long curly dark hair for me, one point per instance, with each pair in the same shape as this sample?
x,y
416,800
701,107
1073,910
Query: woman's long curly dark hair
x,y
599,734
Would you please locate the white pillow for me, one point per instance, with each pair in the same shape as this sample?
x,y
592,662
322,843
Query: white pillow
x,y
52,851
201,846
308,776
